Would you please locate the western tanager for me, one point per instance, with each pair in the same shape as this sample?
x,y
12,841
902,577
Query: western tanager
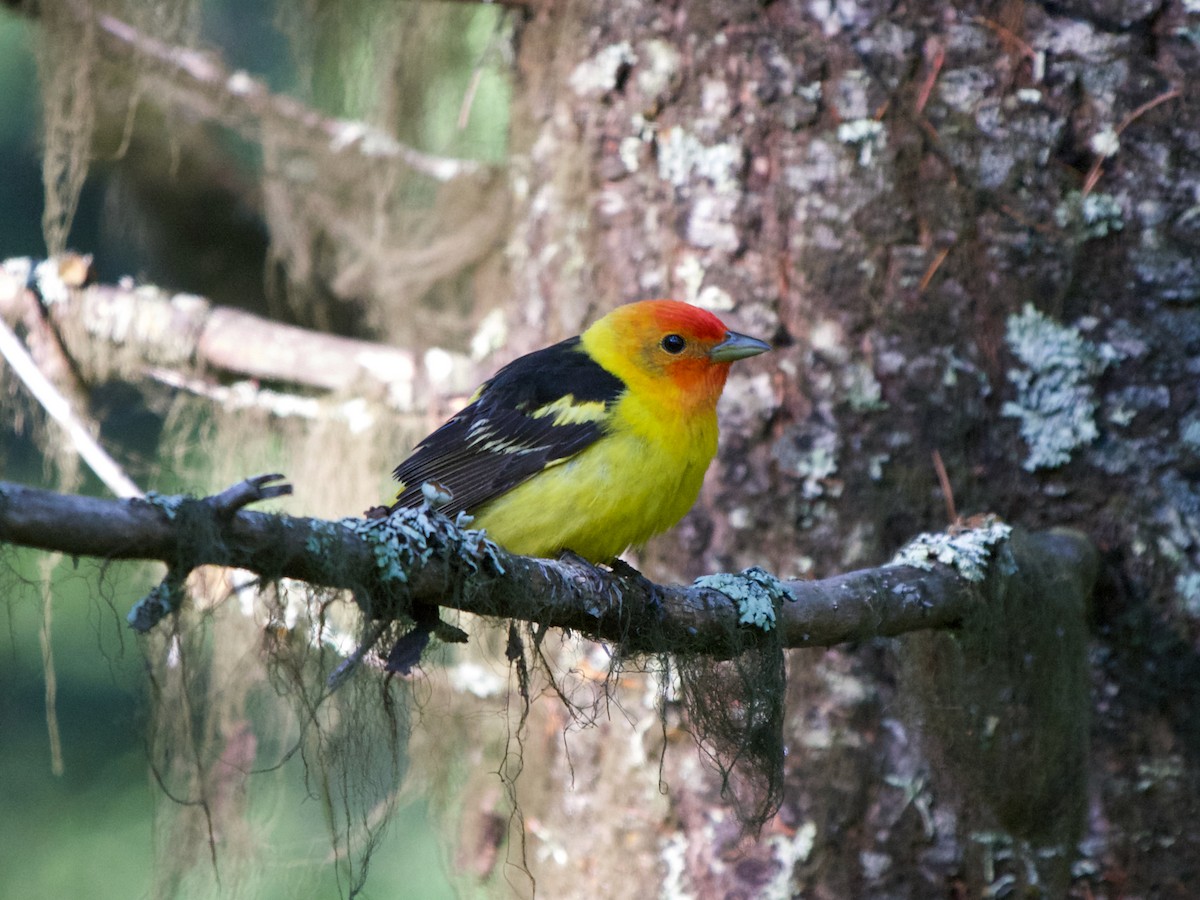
x,y
591,445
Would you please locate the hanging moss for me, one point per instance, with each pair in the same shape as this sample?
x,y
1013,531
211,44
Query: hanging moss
x,y
1003,705
735,709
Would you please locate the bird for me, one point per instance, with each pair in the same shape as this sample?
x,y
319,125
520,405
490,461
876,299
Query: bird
x,y
587,447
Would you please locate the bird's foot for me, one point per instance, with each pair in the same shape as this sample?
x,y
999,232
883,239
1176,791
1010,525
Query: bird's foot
x,y
653,593
406,652
592,573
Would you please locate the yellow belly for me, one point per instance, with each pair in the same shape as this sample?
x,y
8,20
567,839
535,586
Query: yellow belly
x,y
617,493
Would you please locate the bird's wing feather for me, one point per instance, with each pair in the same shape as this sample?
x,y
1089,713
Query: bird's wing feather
x,y
536,412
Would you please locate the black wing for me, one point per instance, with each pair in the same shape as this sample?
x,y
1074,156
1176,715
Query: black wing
x,y
538,410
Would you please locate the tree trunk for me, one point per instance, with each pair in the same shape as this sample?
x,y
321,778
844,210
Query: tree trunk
x,y
882,190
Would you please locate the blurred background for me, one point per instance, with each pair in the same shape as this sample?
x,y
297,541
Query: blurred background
x,y
185,202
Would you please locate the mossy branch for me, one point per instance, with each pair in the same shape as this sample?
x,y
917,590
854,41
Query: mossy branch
x,y
423,558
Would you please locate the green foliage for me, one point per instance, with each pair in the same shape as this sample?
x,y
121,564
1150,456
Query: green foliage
x,y
434,75
59,830
17,76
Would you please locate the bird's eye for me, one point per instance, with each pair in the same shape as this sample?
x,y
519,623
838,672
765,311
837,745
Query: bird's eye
x,y
673,343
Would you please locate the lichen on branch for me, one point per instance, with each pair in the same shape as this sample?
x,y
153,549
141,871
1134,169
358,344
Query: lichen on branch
x,y
445,565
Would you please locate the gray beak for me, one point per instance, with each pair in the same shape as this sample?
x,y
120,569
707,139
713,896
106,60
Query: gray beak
x,y
737,346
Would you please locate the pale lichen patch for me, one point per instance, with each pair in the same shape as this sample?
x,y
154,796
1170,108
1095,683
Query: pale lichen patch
x,y
967,550
755,591
1056,402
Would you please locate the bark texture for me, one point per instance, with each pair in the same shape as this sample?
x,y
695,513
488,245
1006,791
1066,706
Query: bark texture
x,y
882,190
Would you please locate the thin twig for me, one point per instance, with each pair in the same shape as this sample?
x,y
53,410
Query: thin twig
x,y
106,468
936,264
1007,36
935,55
247,491
464,110
947,490
1097,168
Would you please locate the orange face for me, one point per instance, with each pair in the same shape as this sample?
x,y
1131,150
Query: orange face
x,y
690,346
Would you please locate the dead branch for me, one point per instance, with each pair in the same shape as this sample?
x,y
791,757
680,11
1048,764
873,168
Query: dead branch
x,y
189,336
59,408
448,566
199,82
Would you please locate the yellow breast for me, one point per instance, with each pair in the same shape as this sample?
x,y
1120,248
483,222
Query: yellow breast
x,y
635,482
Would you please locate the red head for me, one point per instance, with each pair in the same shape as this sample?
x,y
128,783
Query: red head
x,y
668,347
